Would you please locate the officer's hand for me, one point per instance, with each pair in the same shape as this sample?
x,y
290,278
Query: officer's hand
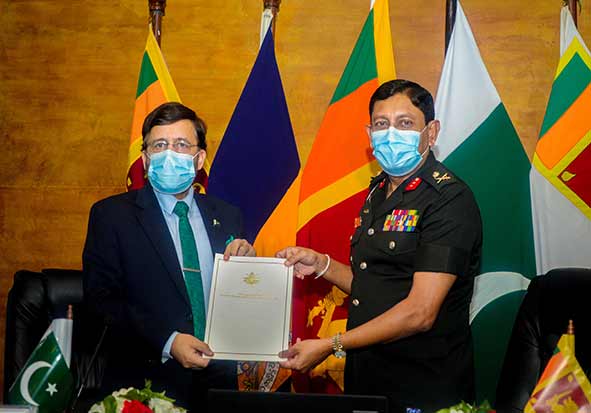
x,y
188,350
305,261
304,355
239,247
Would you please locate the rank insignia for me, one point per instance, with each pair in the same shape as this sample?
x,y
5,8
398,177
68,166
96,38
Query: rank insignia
x,y
440,178
412,185
357,222
401,220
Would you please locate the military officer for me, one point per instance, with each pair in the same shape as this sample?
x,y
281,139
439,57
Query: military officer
x,y
414,254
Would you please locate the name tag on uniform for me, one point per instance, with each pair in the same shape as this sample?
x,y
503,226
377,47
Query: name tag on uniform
x,y
401,220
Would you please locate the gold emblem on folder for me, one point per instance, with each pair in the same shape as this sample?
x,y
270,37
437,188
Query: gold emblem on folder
x,y
251,279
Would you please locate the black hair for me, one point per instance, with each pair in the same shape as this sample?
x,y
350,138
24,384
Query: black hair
x,y
418,95
169,113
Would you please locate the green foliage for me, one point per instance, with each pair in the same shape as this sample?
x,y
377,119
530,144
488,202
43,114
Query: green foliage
x,y
464,407
110,404
145,394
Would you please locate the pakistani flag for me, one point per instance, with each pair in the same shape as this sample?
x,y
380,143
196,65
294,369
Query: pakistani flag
x,y
561,172
46,381
479,143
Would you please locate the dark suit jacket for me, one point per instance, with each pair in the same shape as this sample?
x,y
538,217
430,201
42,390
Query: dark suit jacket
x,y
133,278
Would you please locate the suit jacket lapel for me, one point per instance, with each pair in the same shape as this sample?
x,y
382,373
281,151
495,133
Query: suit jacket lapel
x,y
150,217
212,223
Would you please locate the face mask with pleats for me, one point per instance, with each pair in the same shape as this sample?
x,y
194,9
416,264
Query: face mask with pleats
x,y
397,151
171,172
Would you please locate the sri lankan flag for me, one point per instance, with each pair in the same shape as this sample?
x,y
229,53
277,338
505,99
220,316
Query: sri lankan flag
x,y
561,174
155,87
333,188
563,386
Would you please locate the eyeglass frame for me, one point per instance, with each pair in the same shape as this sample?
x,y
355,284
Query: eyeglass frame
x,y
148,147
387,125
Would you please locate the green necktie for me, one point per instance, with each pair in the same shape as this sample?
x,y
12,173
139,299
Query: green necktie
x,y
191,269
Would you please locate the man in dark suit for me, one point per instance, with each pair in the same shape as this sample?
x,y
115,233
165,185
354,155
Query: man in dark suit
x,y
148,262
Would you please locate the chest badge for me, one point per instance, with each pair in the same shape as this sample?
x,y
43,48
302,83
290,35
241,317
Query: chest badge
x,y
357,222
401,220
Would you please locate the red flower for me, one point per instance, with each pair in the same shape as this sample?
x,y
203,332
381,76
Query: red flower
x,y
134,406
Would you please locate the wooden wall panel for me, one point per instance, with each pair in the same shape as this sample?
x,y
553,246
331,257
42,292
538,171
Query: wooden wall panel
x,y
69,72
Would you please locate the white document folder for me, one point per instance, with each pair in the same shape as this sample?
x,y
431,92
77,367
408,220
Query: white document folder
x,y
249,310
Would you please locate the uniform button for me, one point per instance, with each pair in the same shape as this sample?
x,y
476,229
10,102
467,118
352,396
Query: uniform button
x,y
366,211
370,231
355,302
351,258
392,245
363,265
351,238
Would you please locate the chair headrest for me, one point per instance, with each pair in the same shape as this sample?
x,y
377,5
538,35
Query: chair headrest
x,y
63,287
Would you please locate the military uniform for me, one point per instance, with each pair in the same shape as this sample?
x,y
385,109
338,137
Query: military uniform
x,y
431,222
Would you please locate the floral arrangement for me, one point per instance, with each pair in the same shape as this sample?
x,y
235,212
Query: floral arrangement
x,y
464,407
132,400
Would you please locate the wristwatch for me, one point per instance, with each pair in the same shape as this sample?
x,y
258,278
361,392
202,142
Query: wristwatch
x,y
337,347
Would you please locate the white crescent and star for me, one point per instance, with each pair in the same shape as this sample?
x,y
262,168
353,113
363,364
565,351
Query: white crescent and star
x,y
51,388
27,377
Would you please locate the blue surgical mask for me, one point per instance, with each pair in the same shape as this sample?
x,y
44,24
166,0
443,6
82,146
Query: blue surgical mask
x,y
397,151
171,172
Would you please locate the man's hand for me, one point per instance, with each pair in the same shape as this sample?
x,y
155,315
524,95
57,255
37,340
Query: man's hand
x,y
305,355
239,247
305,261
188,350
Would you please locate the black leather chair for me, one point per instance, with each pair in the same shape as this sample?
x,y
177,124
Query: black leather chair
x,y
551,300
33,301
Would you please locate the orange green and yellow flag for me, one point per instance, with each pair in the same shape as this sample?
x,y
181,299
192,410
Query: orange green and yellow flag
x,y
333,186
563,385
561,174
155,87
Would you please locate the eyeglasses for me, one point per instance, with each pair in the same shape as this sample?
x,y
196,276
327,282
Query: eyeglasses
x,y
401,124
179,145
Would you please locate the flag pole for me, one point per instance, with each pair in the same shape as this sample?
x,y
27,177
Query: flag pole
x,y
572,7
272,5
570,331
156,8
450,18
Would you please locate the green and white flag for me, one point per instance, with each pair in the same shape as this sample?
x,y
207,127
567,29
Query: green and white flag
x,y
46,381
560,175
479,143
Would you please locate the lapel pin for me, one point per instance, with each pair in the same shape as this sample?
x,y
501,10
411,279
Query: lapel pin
x,y
216,223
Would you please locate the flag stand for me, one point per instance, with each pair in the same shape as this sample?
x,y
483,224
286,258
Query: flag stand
x,y
272,5
571,328
157,8
450,18
572,7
